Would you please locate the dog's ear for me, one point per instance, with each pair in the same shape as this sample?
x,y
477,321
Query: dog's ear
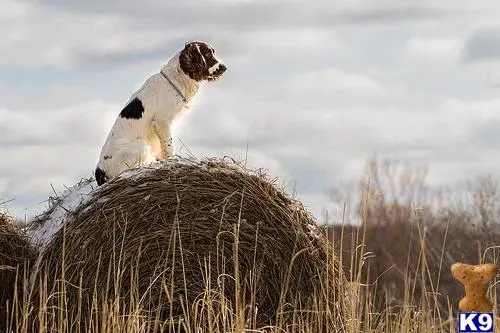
x,y
192,62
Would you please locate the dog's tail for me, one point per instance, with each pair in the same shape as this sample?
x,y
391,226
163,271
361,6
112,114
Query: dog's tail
x,y
100,176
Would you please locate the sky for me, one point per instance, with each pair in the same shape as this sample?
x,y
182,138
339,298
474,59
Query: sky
x,y
313,89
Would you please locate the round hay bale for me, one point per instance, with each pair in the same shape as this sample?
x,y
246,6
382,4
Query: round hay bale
x,y
191,243
15,257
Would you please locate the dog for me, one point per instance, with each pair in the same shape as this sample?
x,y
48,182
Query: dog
x,y
142,132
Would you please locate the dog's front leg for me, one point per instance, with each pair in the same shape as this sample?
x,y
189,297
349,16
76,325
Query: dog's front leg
x,y
167,145
165,137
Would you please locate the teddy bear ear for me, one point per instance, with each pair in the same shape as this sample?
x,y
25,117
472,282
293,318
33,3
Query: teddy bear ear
x,y
473,277
457,268
488,271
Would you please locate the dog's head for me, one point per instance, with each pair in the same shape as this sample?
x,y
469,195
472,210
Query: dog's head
x,y
198,61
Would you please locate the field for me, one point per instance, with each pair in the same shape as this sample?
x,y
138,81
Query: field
x,y
395,277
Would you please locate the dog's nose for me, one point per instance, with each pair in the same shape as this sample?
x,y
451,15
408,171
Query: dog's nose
x,y
222,68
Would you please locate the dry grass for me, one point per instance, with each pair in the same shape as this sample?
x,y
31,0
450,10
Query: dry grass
x,y
16,256
157,275
417,254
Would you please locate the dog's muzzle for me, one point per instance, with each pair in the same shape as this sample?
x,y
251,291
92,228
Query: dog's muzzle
x,y
216,71
219,71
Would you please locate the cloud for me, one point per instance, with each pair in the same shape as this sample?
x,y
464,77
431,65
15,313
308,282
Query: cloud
x,y
483,45
434,52
333,84
267,15
48,96
81,124
108,34
39,37
254,14
279,43
99,34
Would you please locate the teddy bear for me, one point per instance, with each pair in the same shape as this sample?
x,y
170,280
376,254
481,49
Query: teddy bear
x,y
475,279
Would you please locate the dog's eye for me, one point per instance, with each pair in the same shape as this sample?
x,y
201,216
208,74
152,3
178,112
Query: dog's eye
x,y
208,55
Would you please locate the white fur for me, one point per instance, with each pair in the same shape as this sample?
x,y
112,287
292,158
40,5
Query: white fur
x,y
134,142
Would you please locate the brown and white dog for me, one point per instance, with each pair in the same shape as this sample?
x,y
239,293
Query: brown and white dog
x,y
142,132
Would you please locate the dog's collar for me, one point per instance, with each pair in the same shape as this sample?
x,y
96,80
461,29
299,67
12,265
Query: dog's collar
x,y
184,99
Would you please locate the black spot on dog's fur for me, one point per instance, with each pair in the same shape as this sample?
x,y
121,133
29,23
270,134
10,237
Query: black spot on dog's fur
x,y
108,157
133,110
100,176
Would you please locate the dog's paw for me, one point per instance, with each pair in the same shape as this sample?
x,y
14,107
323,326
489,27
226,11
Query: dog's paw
x,y
161,160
